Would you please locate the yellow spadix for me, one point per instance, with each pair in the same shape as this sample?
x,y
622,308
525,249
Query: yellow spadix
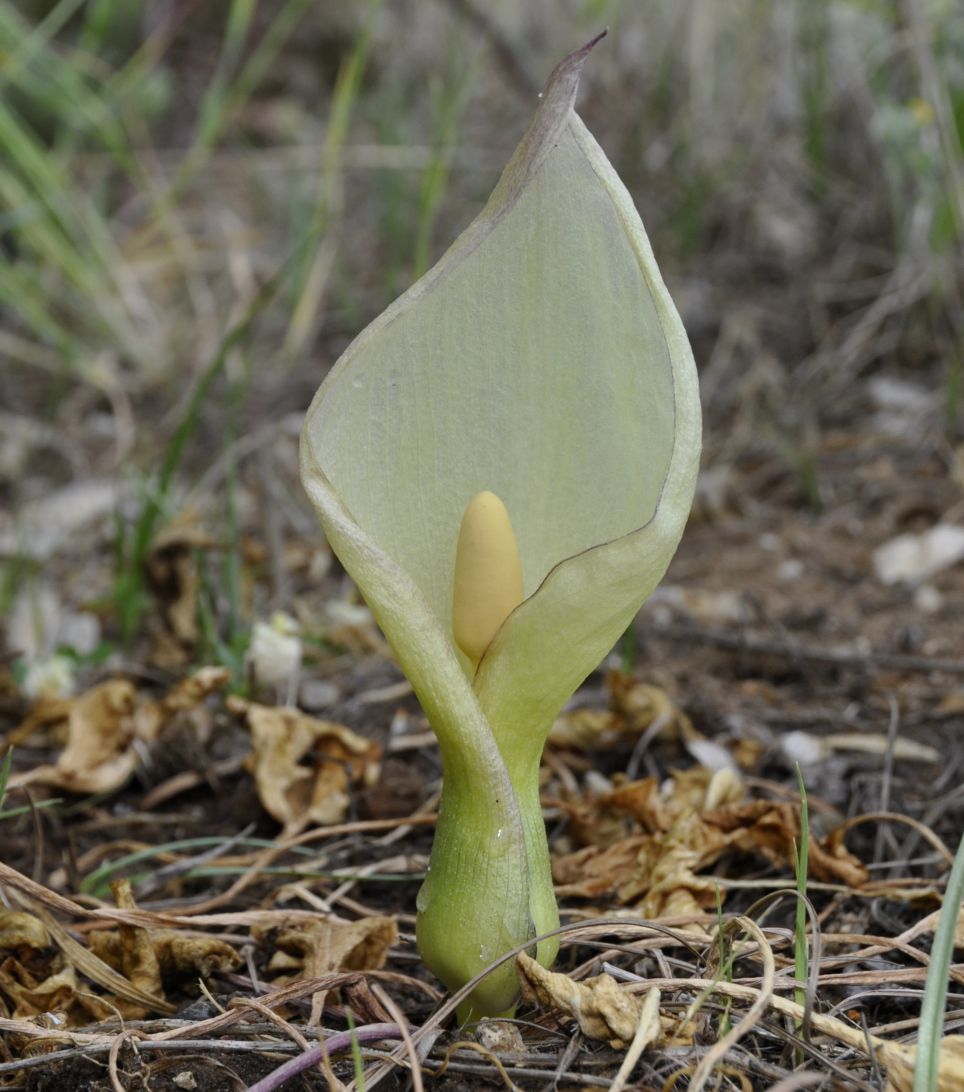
x,y
488,575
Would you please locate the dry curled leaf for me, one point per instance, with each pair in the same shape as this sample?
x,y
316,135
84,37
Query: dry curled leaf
x,y
635,707
188,958
180,958
103,726
330,944
30,995
645,707
132,954
773,829
172,569
900,1062
677,833
602,1008
33,977
154,959
21,931
193,690
586,730
98,756
304,767
41,965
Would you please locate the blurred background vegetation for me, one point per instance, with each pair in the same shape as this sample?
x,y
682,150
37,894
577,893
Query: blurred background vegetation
x,y
201,203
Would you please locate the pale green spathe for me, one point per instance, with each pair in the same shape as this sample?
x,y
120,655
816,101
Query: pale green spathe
x,y
541,359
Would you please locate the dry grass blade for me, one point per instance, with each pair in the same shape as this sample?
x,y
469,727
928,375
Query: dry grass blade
x,y
796,1081
646,1033
478,1048
894,817
115,1046
396,1014
295,1035
749,1020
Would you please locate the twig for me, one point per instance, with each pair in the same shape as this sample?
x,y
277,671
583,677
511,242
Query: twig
x,y
370,1033
114,1052
884,832
398,1017
739,642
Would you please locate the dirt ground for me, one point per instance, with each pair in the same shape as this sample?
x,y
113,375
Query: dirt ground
x,y
188,903
771,634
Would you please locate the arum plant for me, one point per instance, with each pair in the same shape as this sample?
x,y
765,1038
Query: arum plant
x,y
504,461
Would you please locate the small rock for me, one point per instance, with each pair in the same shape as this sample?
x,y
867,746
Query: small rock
x,y
318,694
917,557
499,1036
804,749
927,599
791,569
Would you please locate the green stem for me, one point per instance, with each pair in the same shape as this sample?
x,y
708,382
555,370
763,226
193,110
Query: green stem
x,y
489,886
543,909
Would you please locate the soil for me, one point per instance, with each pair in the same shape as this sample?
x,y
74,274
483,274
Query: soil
x,y
770,621
774,640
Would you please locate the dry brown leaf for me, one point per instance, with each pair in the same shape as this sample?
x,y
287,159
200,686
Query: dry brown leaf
x,y
173,573
33,977
138,962
32,995
657,870
181,958
635,708
185,697
586,729
98,756
594,871
193,690
46,712
900,1062
36,977
304,767
645,707
330,944
150,958
602,1009
89,964
21,931
188,958
773,829
609,817
102,727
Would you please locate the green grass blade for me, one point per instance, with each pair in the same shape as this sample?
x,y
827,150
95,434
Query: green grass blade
x,y
926,1073
802,865
451,106
129,578
312,263
356,1055
5,774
